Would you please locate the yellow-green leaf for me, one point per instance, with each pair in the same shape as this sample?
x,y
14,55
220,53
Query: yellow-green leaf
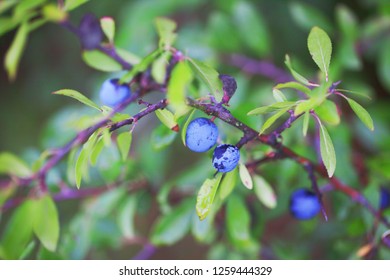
x,y
11,164
264,192
167,118
78,96
294,73
101,61
181,77
124,143
271,120
328,154
209,76
166,32
206,196
228,183
15,51
320,48
245,176
108,27
362,113
45,222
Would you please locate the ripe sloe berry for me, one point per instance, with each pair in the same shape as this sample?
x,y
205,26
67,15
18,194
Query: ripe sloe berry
x,y
112,93
201,135
304,204
226,157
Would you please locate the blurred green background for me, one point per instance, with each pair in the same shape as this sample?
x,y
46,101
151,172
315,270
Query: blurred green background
x,y
32,119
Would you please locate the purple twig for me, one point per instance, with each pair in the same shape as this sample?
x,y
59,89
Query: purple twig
x,y
260,67
146,253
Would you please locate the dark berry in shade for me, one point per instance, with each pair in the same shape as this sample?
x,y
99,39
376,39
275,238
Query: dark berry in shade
x,y
90,32
226,157
229,86
201,135
304,204
384,201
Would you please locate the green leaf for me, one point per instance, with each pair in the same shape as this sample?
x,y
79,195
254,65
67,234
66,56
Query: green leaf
x,y
203,230
272,108
173,226
159,67
383,63
18,231
270,121
307,16
7,24
306,118
264,192
81,167
310,104
108,27
167,118
347,21
180,79
228,183
126,217
124,143
206,196
6,5
184,129
45,222
328,154
15,51
28,250
298,77
245,176
53,13
209,76
73,4
320,48
251,27
78,96
294,85
362,113
238,222
166,31
26,7
278,95
11,164
128,56
162,137
101,61
141,66
97,149
328,112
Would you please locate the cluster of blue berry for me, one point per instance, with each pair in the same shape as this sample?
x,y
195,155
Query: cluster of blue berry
x,y
202,135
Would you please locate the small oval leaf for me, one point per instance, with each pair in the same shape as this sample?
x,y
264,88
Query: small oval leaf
x,y
328,154
320,48
206,196
245,176
78,96
264,192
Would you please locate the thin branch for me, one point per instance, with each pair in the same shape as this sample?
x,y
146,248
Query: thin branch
x,y
270,140
259,67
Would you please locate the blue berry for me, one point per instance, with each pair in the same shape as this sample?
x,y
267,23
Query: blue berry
x,y
304,204
384,201
112,93
201,135
226,157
